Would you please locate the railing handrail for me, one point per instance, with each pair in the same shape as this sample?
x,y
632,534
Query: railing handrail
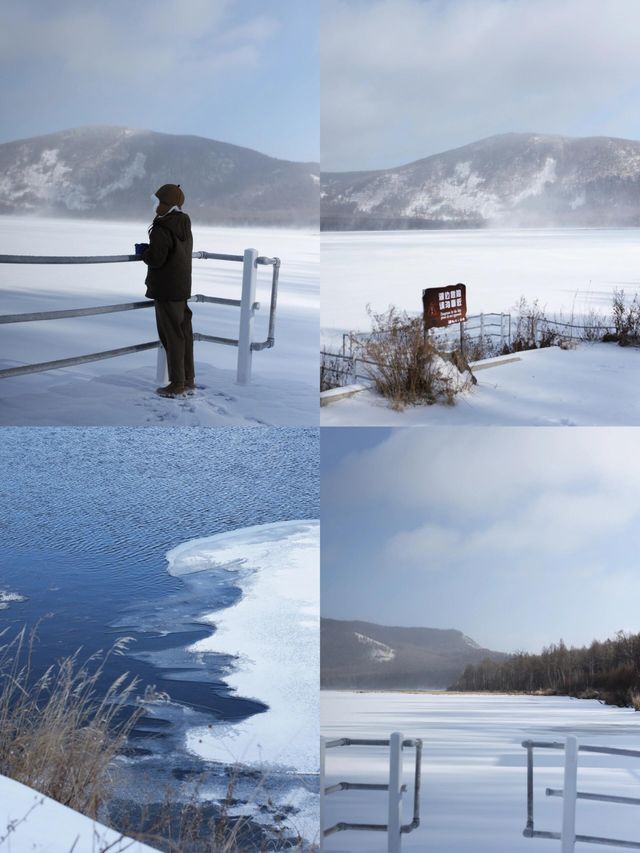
x,y
394,827
66,313
570,794
247,304
119,259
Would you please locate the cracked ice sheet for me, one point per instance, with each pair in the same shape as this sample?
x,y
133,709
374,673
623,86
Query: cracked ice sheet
x,y
273,630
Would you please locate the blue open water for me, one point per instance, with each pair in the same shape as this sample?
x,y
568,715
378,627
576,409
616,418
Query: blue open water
x,y
89,514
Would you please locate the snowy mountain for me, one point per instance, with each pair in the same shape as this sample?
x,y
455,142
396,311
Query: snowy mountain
x,y
515,179
104,172
365,655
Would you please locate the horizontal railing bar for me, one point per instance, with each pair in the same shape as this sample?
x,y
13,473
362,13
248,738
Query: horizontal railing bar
x,y
109,309
359,786
539,833
361,827
68,259
73,312
118,259
602,750
604,798
212,339
611,842
607,750
329,744
80,359
543,744
215,256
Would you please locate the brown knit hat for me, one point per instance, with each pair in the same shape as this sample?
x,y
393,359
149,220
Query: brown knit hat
x,y
169,195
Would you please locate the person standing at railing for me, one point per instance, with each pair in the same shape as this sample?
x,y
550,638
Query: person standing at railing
x,y
168,258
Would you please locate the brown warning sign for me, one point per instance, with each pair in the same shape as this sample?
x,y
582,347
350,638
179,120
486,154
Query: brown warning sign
x,y
444,305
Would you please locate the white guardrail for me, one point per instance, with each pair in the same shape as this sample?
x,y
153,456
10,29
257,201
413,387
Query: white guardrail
x,y
250,261
570,795
394,826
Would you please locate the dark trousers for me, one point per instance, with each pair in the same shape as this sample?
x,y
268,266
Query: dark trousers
x,y
174,330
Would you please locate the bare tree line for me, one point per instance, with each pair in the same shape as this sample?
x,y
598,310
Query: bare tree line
x,y
608,670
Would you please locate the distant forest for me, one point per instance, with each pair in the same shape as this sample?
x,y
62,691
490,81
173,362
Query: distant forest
x,y
608,670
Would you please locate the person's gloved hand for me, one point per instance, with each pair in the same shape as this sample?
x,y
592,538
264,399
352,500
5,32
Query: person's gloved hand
x,y
140,248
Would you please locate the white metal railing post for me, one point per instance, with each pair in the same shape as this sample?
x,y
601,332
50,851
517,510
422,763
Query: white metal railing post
x,y
569,795
394,838
248,298
162,368
323,757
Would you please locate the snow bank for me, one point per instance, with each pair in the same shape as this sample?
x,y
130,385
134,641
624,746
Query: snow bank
x,y
474,769
592,385
120,392
273,631
31,821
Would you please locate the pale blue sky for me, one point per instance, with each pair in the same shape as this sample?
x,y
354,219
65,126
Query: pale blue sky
x,y
240,71
403,79
517,537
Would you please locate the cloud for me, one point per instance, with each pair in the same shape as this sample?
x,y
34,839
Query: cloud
x,y
140,45
471,471
402,79
512,499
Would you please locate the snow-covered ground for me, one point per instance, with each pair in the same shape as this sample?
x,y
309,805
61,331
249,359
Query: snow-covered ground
x,y
273,632
121,391
474,769
569,270
592,385
30,821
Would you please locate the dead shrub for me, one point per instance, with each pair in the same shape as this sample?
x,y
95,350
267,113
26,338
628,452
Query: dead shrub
x,y
405,365
626,318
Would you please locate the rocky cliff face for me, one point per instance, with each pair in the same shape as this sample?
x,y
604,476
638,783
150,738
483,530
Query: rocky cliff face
x,y
514,180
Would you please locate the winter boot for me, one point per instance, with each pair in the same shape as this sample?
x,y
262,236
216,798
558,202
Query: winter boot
x,y
171,390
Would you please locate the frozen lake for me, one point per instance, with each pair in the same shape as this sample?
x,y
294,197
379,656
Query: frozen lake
x,y
474,769
568,270
120,391
89,553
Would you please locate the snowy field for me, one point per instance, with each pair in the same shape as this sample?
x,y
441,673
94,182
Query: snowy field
x,y
474,769
27,819
568,270
121,391
592,385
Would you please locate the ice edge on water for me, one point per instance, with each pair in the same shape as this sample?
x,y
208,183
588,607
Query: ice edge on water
x,y
272,631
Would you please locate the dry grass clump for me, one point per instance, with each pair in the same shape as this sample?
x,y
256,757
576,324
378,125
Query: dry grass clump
x,y
405,365
58,732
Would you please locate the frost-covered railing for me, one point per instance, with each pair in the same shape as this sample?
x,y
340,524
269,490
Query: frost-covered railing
x,y
394,826
570,794
250,261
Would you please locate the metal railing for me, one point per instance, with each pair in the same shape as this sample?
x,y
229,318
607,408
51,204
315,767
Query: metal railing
x,y
570,795
247,304
395,788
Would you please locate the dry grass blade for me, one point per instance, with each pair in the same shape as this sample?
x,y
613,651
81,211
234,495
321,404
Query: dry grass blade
x,y
58,732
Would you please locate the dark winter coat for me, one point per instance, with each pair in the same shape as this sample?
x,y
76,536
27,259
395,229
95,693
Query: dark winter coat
x,y
169,258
